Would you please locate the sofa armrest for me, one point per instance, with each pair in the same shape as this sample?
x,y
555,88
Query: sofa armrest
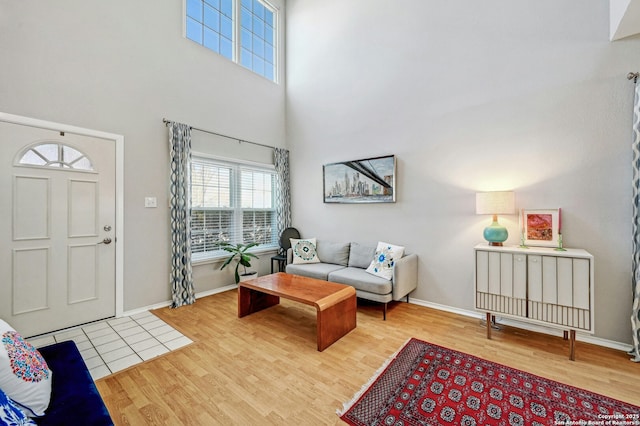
x,y
289,256
74,396
405,276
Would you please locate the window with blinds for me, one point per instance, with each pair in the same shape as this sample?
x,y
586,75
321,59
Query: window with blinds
x,y
230,203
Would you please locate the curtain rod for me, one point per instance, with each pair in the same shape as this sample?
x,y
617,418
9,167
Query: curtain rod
x,y
166,122
633,76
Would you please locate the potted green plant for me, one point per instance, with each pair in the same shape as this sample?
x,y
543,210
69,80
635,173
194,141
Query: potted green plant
x,y
241,256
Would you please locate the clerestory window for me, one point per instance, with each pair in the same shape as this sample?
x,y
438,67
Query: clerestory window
x,y
243,31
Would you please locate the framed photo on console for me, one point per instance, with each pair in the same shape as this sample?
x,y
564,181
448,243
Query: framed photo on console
x,y
370,180
540,227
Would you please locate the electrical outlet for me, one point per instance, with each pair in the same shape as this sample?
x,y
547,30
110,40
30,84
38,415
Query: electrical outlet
x,y
150,202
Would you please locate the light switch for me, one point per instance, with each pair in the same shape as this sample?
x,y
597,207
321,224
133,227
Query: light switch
x,y
150,202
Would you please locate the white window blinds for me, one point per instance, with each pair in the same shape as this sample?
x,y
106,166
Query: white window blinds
x,y
233,203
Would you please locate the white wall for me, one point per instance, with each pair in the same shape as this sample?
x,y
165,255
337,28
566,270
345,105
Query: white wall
x,y
121,67
470,96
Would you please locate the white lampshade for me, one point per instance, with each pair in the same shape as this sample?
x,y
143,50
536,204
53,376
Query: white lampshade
x,y
496,202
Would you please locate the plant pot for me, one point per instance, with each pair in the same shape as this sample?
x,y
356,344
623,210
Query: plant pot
x,y
248,276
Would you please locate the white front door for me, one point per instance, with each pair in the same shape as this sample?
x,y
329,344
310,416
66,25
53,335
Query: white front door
x,y
57,228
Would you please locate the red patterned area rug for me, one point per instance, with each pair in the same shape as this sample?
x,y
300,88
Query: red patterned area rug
x,y
426,384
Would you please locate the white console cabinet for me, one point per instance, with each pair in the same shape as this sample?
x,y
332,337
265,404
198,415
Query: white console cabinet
x,y
538,285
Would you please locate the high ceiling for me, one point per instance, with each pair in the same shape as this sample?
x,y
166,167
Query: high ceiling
x,y
624,18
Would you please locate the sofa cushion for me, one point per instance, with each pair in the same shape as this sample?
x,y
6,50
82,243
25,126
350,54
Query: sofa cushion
x,y
304,251
336,253
385,259
319,271
24,374
361,280
360,256
74,395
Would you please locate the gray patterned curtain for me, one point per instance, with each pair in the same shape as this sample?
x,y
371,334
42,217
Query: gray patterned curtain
x,y
635,316
182,289
283,190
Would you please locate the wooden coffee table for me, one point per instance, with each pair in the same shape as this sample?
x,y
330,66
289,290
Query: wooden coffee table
x,y
335,303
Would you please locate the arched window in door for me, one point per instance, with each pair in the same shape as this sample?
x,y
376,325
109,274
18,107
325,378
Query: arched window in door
x,y
55,155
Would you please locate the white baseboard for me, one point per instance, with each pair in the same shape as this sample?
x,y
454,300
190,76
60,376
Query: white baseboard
x,y
525,325
216,291
168,303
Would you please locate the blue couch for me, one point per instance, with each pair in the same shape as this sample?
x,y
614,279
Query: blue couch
x,y
74,397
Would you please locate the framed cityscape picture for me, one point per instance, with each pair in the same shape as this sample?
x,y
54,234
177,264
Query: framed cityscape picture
x,y
540,227
371,180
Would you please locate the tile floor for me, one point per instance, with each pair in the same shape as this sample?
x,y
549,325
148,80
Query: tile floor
x,y
115,344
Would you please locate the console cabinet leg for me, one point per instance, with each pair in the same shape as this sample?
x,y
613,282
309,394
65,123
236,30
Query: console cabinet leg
x,y
572,345
488,326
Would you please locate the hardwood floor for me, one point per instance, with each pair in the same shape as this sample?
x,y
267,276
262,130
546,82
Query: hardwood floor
x,y
265,369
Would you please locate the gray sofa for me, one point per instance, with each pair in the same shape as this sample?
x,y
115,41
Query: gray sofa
x,y
346,263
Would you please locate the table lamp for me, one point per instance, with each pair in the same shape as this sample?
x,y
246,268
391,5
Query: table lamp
x,y
495,203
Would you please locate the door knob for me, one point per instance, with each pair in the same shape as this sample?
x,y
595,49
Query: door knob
x,y
105,241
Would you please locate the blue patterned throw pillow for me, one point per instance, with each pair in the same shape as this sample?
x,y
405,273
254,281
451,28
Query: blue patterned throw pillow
x,y
11,414
385,259
304,251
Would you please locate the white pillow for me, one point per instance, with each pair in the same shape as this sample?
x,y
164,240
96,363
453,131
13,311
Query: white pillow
x,y
24,375
384,260
304,251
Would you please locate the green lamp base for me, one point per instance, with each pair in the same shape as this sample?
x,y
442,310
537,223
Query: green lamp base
x,y
495,234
